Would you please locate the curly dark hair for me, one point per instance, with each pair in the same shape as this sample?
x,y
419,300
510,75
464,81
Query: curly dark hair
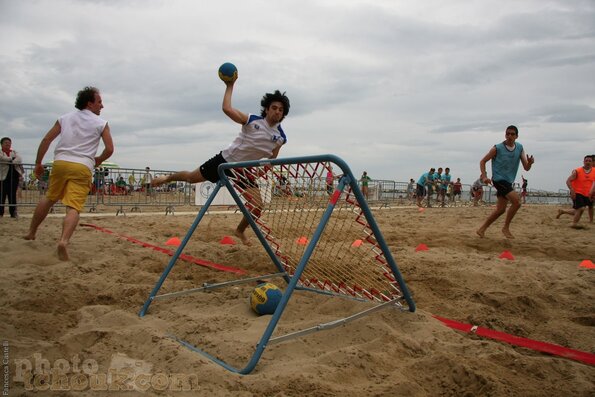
x,y
513,127
85,96
269,98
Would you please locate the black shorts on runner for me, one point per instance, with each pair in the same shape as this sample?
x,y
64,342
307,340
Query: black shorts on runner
x,y
502,188
581,201
420,190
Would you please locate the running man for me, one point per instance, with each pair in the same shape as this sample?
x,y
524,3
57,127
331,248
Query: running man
x,y
581,184
505,158
260,137
74,162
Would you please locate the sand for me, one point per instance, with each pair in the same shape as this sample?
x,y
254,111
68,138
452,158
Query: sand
x,y
80,317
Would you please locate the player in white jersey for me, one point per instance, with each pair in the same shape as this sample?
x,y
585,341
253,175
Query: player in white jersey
x,y
260,137
75,157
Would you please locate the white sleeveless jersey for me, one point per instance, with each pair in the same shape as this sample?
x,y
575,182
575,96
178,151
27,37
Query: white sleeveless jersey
x,y
80,132
257,140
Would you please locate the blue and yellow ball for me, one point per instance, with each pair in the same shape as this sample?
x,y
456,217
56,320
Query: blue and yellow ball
x,y
265,298
228,72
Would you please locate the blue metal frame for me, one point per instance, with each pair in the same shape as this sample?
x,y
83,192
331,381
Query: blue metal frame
x,y
346,179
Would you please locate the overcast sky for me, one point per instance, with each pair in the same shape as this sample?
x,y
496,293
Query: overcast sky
x,y
393,87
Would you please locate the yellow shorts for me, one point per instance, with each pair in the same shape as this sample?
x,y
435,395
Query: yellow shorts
x,y
70,183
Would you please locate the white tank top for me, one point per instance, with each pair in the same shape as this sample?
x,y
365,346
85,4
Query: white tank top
x,y
80,132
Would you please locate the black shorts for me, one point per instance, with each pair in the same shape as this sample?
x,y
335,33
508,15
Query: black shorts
x,y
243,179
502,188
581,201
209,168
420,191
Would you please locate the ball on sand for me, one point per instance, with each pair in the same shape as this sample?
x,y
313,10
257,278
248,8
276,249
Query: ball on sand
x,y
228,72
265,298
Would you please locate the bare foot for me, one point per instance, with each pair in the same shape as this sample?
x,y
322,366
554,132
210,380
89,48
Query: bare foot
x,y
29,237
559,214
480,233
242,237
577,226
507,233
62,252
159,180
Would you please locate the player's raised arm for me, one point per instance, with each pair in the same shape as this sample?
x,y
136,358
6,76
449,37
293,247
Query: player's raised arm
x,y
233,113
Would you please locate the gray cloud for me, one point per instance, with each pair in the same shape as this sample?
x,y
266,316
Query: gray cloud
x,y
394,87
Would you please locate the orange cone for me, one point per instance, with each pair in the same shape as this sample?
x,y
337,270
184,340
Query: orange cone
x,y
302,241
587,264
506,255
226,240
357,243
174,241
421,209
421,247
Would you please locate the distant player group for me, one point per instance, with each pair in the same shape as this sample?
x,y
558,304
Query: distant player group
x,y
439,182
261,136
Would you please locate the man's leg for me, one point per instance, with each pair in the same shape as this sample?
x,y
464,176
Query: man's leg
x,y
41,211
564,212
12,197
71,220
3,196
254,205
577,216
515,204
185,176
591,214
499,210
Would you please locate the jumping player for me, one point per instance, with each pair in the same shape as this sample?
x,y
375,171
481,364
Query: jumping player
x,y
260,137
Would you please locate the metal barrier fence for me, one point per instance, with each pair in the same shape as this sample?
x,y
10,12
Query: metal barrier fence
x,y
387,193
127,190
122,189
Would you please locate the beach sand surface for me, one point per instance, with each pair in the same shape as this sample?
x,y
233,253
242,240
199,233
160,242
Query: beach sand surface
x,y
80,318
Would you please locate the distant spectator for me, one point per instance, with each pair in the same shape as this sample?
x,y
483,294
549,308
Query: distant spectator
x,y
11,173
524,189
365,180
457,189
411,189
147,179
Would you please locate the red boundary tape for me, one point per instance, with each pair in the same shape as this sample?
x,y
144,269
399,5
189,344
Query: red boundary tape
x,y
185,257
544,347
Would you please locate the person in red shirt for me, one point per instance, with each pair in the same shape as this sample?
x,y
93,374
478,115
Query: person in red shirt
x,y
457,189
580,183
